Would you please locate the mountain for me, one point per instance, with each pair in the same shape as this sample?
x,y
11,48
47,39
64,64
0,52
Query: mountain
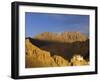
x,y
65,37
57,49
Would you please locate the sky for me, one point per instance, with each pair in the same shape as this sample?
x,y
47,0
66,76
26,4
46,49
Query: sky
x,y
36,23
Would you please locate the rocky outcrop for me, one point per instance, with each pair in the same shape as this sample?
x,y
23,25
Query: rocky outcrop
x,y
60,61
78,60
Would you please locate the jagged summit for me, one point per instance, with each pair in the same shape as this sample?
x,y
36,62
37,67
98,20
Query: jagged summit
x,y
62,37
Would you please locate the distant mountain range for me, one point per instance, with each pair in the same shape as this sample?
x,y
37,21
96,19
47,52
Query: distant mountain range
x,y
56,49
67,37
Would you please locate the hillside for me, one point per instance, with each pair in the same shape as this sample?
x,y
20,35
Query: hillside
x,y
36,57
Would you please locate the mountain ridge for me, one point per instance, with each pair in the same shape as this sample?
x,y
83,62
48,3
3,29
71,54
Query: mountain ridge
x,y
62,37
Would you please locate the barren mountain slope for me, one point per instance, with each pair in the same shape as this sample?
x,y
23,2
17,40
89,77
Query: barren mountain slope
x,y
36,57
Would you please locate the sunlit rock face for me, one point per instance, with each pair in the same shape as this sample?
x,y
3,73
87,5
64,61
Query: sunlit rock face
x,y
60,61
36,57
78,60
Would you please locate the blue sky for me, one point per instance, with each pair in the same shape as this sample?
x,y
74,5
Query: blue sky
x,y
36,23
